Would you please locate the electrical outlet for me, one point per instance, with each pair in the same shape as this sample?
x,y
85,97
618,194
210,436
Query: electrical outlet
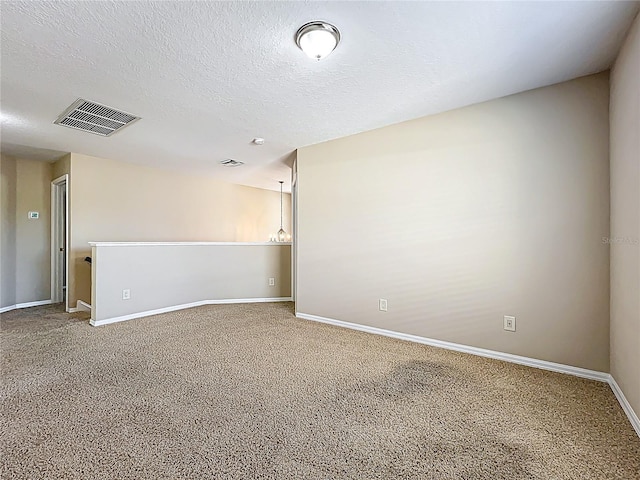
x,y
126,294
382,305
509,323
272,282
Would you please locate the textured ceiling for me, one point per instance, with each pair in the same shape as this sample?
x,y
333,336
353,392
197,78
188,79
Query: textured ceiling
x,y
207,77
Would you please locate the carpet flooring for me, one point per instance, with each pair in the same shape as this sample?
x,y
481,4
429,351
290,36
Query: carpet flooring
x,y
251,392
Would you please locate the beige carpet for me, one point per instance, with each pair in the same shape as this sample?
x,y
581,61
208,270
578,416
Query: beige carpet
x,y
248,391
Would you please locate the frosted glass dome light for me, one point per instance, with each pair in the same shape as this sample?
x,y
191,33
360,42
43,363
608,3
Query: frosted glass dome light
x,y
317,39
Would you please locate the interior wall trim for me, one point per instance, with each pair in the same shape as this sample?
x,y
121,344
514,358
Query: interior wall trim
x,y
173,308
37,303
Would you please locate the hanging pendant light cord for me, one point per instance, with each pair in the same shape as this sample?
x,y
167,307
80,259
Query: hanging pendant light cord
x,y
281,182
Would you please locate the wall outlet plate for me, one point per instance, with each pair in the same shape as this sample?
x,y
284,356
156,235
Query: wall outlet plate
x,y
382,304
272,282
126,294
509,323
34,215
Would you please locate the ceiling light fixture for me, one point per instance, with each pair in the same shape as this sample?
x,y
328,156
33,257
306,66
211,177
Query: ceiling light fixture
x,y
281,236
317,39
258,141
230,162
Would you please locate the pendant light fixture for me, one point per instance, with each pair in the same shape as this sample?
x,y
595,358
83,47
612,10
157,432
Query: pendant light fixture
x,y
282,235
317,39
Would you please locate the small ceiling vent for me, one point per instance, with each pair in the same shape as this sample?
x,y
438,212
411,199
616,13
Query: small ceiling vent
x,y
229,162
95,118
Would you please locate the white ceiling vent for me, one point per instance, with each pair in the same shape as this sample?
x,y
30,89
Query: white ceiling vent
x,y
229,162
95,118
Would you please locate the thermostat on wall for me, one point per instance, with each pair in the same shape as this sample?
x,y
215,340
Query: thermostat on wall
x,y
33,215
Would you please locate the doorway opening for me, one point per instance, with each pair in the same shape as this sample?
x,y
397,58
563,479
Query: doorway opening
x,y
59,240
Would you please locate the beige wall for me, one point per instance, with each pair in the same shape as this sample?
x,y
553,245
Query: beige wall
x,y
26,257
33,244
625,218
460,218
116,201
7,231
61,167
161,276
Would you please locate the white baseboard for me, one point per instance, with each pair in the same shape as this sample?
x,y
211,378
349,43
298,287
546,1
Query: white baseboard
x,y
33,304
106,321
507,357
80,307
83,306
624,403
25,305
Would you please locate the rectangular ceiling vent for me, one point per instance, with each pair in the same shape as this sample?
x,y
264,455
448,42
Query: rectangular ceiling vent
x,y
95,118
229,162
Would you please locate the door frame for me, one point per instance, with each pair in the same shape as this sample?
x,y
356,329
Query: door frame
x,y
294,240
58,275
